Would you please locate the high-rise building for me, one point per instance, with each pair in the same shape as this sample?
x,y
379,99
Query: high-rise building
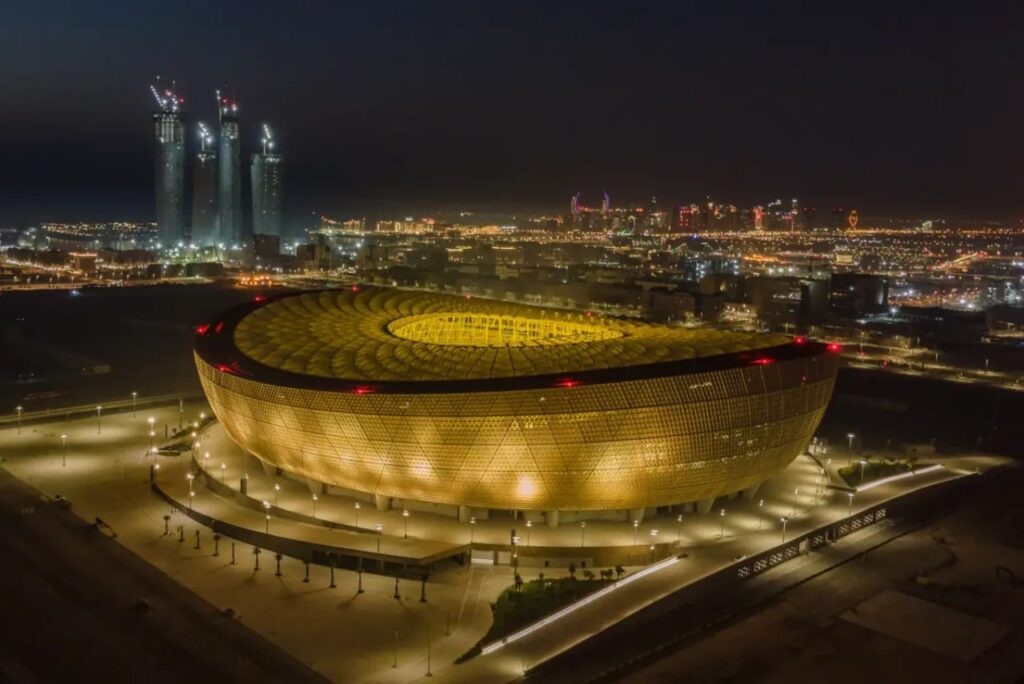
x,y
204,191
229,178
267,179
169,130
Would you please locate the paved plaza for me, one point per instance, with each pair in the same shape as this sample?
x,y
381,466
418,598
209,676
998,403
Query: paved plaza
x,y
360,637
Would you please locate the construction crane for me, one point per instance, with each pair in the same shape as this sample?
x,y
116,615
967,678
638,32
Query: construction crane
x,y
205,137
166,99
267,140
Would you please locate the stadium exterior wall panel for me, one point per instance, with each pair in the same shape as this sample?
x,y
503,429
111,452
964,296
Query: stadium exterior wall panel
x,y
608,445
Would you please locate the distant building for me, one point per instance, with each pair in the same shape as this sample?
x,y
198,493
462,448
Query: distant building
x,y
267,246
857,294
204,198
788,301
169,131
229,186
267,185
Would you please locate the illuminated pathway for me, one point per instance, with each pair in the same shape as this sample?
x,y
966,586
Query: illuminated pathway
x,y
349,636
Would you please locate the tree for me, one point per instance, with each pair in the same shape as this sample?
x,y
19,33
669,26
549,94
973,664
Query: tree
x,y
589,574
540,576
606,573
572,570
619,571
518,582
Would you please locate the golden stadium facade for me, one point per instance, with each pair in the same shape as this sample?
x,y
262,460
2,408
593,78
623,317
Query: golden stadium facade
x,y
487,404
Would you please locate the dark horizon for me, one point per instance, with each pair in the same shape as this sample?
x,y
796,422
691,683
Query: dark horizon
x,y
413,109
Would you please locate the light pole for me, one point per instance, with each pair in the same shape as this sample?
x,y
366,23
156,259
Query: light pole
x,y
849,447
863,463
636,530
223,467
18,409
784,520
472,526
191,493
63,451
266,508
181,412
135,396
849,508
380,528
721,515
405,523
679,529
796,499
583,531
314,505
152,433
277,488
99,412
357,513
529,526
760,513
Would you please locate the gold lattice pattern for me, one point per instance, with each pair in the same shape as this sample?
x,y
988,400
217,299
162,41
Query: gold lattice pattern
x,y
615,445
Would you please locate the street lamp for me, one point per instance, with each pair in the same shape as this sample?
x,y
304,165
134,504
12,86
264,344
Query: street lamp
x,y
314,505
18,409
380,528
357,513
266,508
784,520
583,531
679,528
529,526
405,523
849,447
472,526
760,513
796,499
849,508
64,451
99,412
863,463
636,530
223,467
277,488
721,515
135,396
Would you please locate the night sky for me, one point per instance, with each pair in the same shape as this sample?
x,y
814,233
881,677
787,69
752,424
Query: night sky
x,y
405,107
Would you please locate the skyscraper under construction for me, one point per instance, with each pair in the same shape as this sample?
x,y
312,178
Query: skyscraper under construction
x,y
204,191
169,130
267,179
230,231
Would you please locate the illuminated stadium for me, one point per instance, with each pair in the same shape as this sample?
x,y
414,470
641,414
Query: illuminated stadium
x,y
477,405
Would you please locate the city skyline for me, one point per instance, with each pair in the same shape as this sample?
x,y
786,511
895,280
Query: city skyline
x,y
680,103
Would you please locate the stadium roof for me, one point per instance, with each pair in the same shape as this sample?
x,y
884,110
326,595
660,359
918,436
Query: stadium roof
x,y
381,335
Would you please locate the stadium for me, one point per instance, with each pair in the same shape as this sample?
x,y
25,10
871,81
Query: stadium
x,y
468,406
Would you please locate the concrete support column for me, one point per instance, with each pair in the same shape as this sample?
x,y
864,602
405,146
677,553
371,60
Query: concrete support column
x,y
637,514
464,514
268,469
382,502
551,518
750,492
704,505
316,487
